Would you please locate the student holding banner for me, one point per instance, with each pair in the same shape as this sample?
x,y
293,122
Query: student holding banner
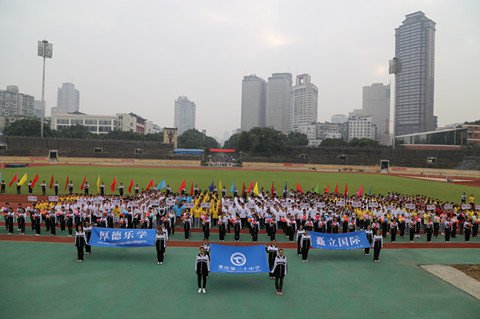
x,y
300,233
88,233
202,268
369,234
306,243
279,271
161,244
80,240
272,251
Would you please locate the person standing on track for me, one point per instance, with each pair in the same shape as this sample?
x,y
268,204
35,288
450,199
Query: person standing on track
x,y
377,246
161,244
202,268
279,271
88,233
80,240
306,243
369,234
272,251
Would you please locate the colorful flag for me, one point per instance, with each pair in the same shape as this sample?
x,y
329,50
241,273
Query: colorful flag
x,y
130,186
299,188
191,190
255,189
182,186
316,189
35,180
220,186
327,190
82,186
162,185
345,191
250,188
23,179
51,182
211,187
232,188
272,189
113,185
336,188
13,180
360,191
99,183
150,184
244,189
67,182
370,190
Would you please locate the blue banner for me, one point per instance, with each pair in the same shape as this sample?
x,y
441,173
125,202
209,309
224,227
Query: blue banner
x,y
122,237
238,259
341,241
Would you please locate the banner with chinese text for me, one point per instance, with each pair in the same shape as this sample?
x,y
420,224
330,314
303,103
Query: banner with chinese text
x,y
238,259
122,237
340,241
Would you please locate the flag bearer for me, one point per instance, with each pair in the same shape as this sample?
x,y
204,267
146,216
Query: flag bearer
x,y
80,240
300,233
202,268
377,246
160,244
369,234
88,233
306,243
280,271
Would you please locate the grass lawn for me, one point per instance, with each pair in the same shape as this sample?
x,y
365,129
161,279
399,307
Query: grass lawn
x,y
204,177
41,280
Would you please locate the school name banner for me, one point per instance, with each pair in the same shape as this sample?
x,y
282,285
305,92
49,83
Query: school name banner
x,y
122,237
343,241
238,259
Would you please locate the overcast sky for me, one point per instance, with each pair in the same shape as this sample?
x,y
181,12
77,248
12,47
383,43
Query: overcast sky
x,y
139,56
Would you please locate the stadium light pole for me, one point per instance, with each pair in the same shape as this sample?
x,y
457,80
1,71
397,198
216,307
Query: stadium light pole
x,y
45,50
394,67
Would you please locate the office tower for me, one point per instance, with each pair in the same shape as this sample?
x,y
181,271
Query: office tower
x,y
253,102
278,112
68,99
303,102
184,118
376,103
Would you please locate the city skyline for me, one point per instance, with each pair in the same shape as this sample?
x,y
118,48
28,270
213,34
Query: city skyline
x,y
348,47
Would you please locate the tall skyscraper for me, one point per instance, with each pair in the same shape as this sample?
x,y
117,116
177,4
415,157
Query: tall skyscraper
x,y
254,91
68,99
184,118
278,112
376,103
303,102
14,103
415,50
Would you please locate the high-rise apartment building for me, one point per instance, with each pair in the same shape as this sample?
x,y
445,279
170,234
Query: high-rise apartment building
x,y
414,83
14,103
254,96
68,99
278,112
184,117
376,103
303,102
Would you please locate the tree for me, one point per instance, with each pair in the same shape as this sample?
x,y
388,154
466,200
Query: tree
x,y
333,142
295,139
232,142
28,127
196,139
76,131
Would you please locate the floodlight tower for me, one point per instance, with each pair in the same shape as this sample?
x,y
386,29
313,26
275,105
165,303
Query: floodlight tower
x,y
45,50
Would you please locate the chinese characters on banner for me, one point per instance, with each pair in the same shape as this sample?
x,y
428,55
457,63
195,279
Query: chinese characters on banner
x,y
122,237
238,259
343,241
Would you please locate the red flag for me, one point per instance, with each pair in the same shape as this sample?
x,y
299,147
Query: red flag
x,y
113,185
345,191
13,180
327,190
51,182
150,184
336,188
35,180
191,190
244,188
182,186
67,182
360,191
299,188
272,189
130,186
82,186
250,188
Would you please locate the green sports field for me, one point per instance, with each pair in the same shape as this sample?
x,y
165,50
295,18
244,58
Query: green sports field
x,y
43,280
203,177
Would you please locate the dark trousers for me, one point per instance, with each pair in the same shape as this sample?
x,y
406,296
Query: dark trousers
x,y
53,229
393,234
429,234
80,252
298,245
376,252
21,225
37,226
467,234
221,233
411,234
201,277
305,253
172,222
367,251
160,251
447,234
88,248
279,283
237,235
186,229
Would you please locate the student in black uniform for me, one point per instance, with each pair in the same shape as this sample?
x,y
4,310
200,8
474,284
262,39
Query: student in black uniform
x,y
279,271
120,190
80,240
369,234
55,188
37,217
300,233
467,225
86,188
206,247
2,187
43,186
102,189
305,246
19,187
187,225
272,251
202,268
377,246
88,233
448,227
222,228
160,244
237,226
